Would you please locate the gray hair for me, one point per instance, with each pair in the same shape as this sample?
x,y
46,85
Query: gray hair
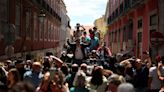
x,y
80,79
125,87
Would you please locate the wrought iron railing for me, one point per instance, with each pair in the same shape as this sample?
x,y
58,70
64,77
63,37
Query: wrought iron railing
x,y
48,8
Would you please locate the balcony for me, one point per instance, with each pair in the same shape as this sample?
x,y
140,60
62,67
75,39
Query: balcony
x,y
45,6
135,2
123,9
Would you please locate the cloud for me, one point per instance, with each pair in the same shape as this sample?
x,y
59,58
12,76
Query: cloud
x,y
88,10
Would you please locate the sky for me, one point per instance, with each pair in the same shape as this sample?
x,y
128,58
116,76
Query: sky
x,y
85,11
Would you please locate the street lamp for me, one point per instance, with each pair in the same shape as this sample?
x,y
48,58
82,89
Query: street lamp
x,y
41,15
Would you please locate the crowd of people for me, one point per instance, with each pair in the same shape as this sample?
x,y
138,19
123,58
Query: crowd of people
x,y
85,46
84,66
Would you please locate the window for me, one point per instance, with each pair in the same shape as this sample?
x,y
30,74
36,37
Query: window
x,y
49,30
45,29
108,21
153,20
17,19
112,37
130,30
116,13
139,23
124,34
40,30
28,24
115,36
51,35
134,2
113,16
35,26
126,4
54,34
3,17
139,37
119,34
121,8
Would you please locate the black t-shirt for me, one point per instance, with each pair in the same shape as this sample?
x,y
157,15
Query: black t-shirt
x,y
141,77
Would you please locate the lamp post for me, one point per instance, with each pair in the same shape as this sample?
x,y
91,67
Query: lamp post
x,y
41,17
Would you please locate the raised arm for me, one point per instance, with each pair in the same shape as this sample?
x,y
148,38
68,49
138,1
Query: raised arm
x,y
83,28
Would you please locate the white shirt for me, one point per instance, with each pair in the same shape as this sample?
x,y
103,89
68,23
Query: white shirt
x,y
78,53
156,83
95,88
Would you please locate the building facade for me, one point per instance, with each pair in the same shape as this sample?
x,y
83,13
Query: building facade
x,y
101,27
130,25
65,27
29,27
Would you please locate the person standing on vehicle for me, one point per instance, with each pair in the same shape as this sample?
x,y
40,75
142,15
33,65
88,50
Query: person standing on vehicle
x,y
94,44
78,32
96,32
78,50
104,51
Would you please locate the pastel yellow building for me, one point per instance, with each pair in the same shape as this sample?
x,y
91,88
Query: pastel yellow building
x,y
101,27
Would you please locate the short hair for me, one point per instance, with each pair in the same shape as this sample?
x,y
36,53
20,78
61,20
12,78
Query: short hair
x,y
83,66
125,87
74,68
95,27
116,79
84,32
80,79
